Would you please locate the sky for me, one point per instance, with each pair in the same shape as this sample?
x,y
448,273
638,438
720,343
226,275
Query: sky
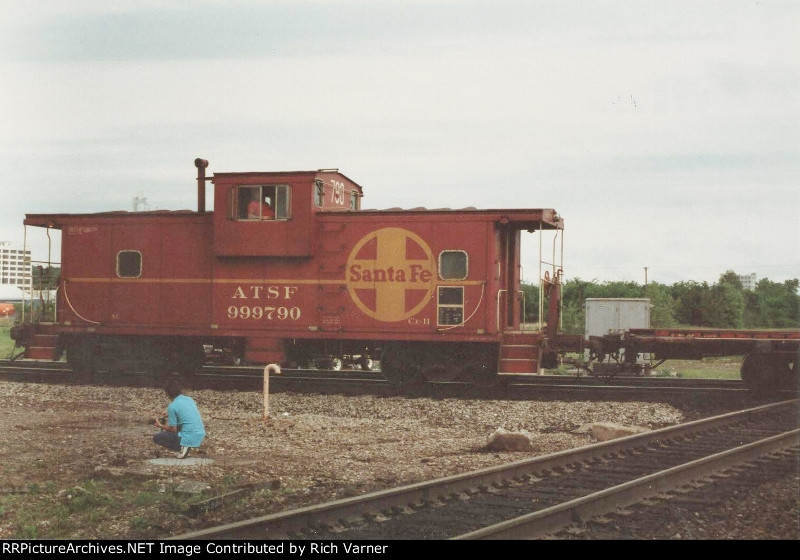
x,y
665,133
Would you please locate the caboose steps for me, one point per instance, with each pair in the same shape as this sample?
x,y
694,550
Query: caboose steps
x,y
518,366
47,328
40,341
49,340
41,353
519,353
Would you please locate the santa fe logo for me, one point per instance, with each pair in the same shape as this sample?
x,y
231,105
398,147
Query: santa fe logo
x,y
390,274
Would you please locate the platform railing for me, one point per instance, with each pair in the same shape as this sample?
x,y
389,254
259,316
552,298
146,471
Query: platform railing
x,y
37,287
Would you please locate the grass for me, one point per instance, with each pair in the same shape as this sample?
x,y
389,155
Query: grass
x,y
144,508
725,367
45,512
6,344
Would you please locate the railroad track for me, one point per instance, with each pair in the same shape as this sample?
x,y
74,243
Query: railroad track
x,y
542,496
358,381
34,371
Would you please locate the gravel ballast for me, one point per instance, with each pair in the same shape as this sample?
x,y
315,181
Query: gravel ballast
x,y
314,448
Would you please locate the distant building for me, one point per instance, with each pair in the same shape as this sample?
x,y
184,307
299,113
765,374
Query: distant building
x,y
748,281
15,265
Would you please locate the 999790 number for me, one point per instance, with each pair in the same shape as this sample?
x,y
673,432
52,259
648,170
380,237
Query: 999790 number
x,y
266,313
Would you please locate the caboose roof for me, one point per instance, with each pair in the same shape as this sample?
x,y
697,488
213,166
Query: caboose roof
x,y
278,174
526,218
56,221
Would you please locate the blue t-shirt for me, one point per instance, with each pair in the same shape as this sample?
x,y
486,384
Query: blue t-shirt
x,y
183,413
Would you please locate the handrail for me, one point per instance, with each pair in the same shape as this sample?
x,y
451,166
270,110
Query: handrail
x,y
497,309
28,278
69,303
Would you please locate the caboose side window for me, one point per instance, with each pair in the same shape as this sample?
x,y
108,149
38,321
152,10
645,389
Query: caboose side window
x,y
451,305
319,193
129,264
453,265
282,202
262,202
353,200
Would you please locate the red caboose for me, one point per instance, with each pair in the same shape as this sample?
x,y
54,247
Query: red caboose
x,y
288,268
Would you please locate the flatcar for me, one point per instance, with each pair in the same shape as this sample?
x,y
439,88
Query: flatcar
x,y
289,268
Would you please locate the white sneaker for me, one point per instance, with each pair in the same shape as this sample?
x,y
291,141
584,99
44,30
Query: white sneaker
x,y
183,453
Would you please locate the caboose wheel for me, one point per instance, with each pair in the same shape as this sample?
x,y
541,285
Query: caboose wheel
x,y
185,357
365,363
336,364
440,372
399,365
785,373
478,364
481,373
80,357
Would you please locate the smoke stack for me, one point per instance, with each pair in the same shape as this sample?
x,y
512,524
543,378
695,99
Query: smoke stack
x,y
201,165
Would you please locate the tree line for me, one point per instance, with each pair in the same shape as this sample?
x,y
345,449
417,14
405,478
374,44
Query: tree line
x,y
723,304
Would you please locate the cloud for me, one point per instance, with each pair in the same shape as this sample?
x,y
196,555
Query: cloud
x,y
666,134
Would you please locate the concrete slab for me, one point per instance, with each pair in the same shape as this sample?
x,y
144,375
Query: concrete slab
x,y
173,462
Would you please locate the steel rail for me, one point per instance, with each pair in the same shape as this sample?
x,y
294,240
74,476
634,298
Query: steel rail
x,y
283,524
582,509
35,365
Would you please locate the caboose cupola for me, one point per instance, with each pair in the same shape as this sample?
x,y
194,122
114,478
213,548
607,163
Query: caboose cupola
x,y
272,214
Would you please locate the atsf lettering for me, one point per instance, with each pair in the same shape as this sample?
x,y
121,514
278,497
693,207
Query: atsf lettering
x,y
256,312
264,292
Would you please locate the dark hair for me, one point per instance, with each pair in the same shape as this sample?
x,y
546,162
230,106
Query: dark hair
x,y
173,387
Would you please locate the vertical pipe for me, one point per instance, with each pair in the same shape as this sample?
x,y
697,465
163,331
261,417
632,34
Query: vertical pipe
x,y
541,284
24,249
201,165
560,277
266,394
49,271
277,369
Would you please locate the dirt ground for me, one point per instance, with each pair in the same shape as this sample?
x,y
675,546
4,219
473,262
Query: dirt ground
x,y
74,460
